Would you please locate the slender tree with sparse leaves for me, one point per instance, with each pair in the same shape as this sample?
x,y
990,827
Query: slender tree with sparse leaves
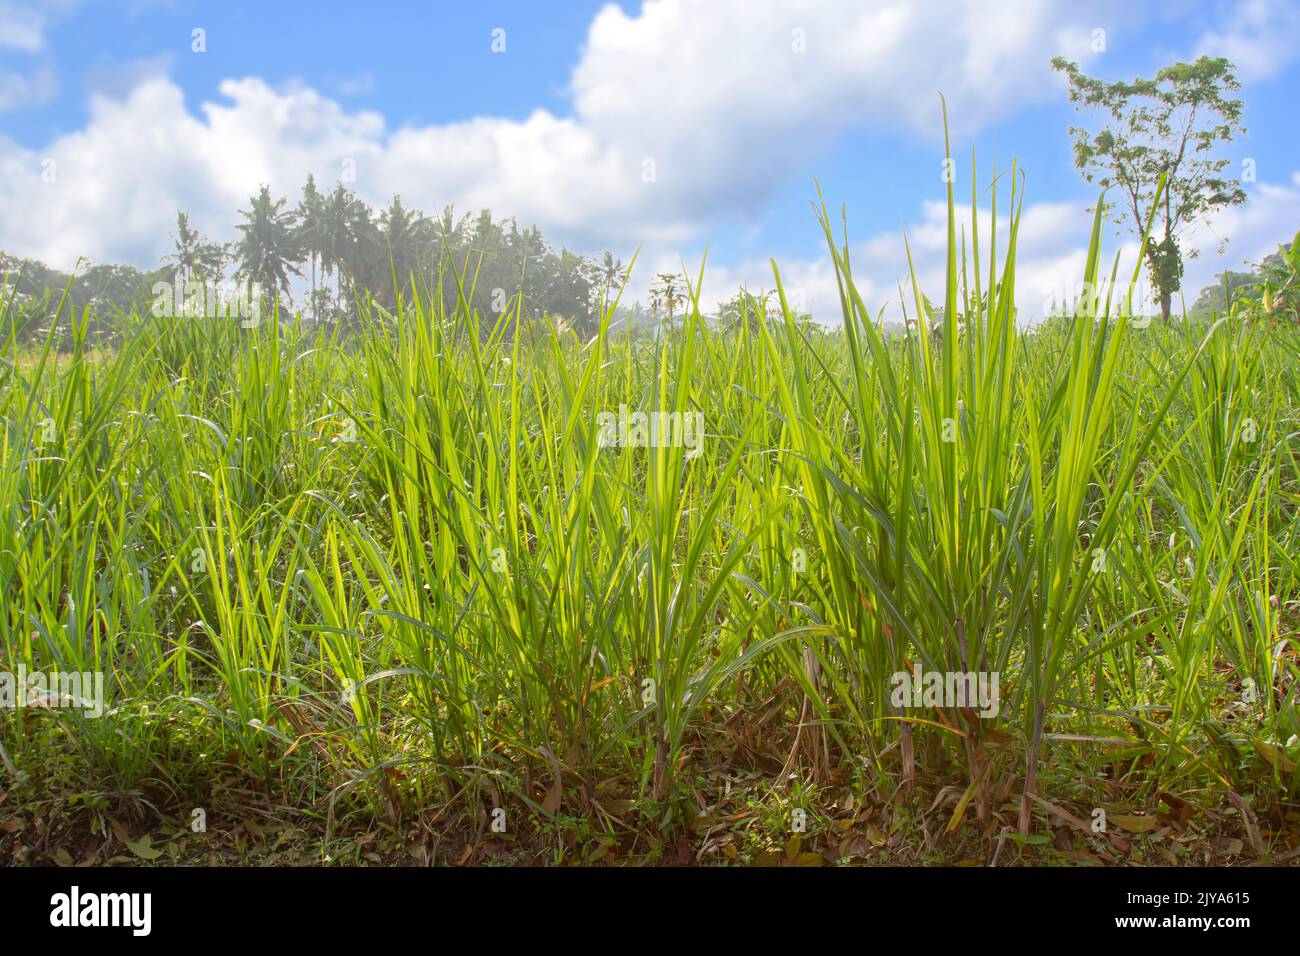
x,y
1171,126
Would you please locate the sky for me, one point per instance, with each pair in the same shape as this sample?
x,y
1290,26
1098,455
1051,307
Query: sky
x,y
666,128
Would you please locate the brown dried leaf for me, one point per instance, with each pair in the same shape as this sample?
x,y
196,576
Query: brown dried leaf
x,y
1133,824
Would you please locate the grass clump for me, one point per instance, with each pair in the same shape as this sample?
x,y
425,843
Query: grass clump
x,y
396,581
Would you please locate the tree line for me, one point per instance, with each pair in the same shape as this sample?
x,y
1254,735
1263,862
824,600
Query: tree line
x,y
345,253
1152,143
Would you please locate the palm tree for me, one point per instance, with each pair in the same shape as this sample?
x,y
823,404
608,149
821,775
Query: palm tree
x,y
611,273
195,256
665,293
406,235
448,244
566,288
345,228
732,313
268,251
448,231
310,215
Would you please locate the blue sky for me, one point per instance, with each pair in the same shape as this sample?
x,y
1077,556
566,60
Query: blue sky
x,y
735,120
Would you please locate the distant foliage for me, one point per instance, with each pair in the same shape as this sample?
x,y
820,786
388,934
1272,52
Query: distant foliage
x,y
34,295
1270,288
349,257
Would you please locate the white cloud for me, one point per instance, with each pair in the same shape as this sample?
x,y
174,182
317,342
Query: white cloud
x,y
22,27
1259,36
720,100
1270,217
723,103
1051,253
117,184
21,89
727,106
362,84
1052,244
118,80
22,30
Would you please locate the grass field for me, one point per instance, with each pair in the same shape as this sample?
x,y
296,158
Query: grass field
x,y
386,595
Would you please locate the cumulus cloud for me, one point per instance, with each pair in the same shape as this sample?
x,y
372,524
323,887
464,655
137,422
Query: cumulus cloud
x,y
362,84
1052,244
32,88
22,31
22,27
686,116
1253,231
1259,36
1051,253
119,80
727,104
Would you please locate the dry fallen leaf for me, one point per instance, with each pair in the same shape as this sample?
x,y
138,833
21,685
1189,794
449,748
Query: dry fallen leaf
x,y
1231,846
703,821
144,848
1274,754
1179,809
551,804
1133,824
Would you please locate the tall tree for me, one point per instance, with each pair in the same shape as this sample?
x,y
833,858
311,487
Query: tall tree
x,y
664,293
344,223
610,277
1166,126
195,257
267,251
310,216
567,281
407,237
